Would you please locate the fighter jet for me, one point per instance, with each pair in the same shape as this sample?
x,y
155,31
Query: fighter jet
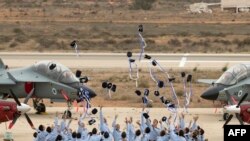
x,y
234,82
43,80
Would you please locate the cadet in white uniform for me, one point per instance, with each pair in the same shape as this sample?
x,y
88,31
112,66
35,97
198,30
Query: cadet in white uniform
x,y
138,136
81,128
107,137
41,134
130,130
154,130
116,133
103,123
163,136
95,136
146,136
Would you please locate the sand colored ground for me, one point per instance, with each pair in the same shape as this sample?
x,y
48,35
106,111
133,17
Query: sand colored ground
x,y
101,26
210,121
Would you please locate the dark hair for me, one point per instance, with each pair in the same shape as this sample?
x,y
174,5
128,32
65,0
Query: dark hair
x,y
201,131
124,135
162,133
59,138
138,132
74,135
48,129
41,127
78,135
90,133
194,135
147,130
181,133
198,127
35,134
94,131
186,130
106,135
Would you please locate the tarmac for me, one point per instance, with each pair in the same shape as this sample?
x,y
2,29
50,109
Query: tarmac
x,y
210,121
120,60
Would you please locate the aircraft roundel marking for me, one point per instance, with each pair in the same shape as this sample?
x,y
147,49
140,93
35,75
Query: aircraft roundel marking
x,y
54,91
240,93
28,86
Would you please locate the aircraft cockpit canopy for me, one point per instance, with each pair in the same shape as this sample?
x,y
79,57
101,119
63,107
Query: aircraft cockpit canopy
x,y
234,74
55,71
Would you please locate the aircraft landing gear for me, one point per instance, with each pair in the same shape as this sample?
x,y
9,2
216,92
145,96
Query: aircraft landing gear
x,y
39,106
67,113
225,116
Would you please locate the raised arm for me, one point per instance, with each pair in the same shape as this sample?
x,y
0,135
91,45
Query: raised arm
x,y
161,125
56,120
68,124
194,125
131,125
101,120
142,124
131,130
181,121
114,121
63,124
173,136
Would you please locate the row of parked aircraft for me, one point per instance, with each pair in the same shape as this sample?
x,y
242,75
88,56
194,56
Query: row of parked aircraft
x,y
54,81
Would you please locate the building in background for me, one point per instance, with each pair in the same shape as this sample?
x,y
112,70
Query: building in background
x,y
238,5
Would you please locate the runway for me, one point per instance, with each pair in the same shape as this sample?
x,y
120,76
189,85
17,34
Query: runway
x,y
120,60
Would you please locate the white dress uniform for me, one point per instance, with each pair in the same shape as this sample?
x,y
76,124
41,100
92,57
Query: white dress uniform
x,y
51,136
145,137
82,130
163,138
110,138
95,137
116,133
41,135
130,132
194,126
182,123
173,136
103,126
154,132
138,138
201,138
143,123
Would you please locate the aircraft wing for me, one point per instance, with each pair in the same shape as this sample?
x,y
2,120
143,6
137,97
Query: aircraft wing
x,y
6,81
4,77
206,81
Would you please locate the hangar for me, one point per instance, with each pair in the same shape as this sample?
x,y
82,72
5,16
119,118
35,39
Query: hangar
x,y
238,5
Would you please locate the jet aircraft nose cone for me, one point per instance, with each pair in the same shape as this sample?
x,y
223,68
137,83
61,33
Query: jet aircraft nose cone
x,y
89,91
92,94
212,93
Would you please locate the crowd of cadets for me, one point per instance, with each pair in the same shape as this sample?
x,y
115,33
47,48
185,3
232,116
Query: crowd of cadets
x,y
164,130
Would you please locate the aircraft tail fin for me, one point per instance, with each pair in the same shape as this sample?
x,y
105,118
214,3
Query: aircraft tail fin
x,y
2,66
